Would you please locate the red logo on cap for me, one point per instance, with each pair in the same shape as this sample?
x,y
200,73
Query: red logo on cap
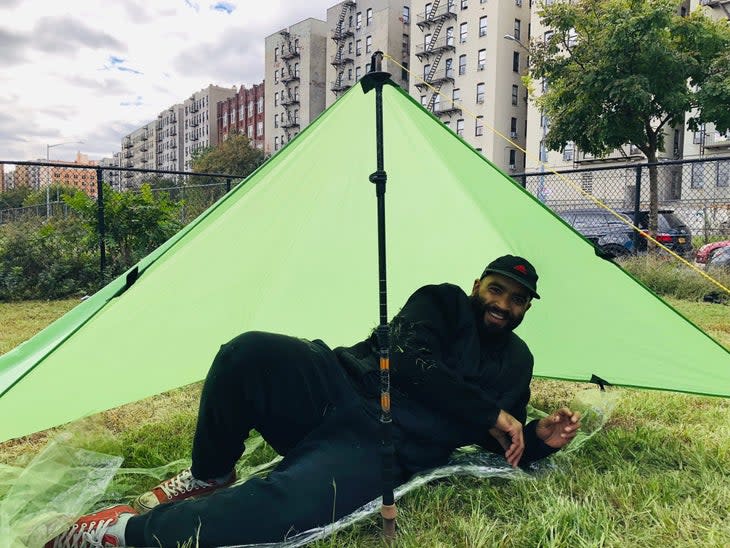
x,y
521,268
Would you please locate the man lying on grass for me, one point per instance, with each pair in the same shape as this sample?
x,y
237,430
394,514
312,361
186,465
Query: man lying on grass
x,y
460,376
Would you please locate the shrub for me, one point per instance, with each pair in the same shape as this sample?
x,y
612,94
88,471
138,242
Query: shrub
x,y
667,276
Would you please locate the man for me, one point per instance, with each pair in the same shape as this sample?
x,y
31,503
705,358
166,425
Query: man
x,y
460,376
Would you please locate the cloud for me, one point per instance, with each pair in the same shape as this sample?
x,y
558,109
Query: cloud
x,y
106,87
227,7
232,58
193,5
133,103
64,34
9,3
117,63
11,45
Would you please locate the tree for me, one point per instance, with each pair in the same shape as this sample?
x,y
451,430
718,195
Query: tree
x,y
235,156
14,197
623,71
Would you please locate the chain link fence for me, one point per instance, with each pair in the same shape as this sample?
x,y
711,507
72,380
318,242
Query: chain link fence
x,y
693,200
56,220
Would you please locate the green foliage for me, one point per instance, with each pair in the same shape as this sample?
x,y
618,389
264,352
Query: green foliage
x,y
55,193
235,155
620,71
668,277
14,197
51,260
135,222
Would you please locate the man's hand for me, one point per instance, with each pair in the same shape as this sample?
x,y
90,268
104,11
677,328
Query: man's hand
x,y
557,430
508,432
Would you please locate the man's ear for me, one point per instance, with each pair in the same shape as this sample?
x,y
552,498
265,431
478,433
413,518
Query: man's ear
x,y
475,287
529,304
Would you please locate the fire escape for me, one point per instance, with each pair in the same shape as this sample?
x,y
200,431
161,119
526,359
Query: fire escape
x,y
434,50
290,97
340,35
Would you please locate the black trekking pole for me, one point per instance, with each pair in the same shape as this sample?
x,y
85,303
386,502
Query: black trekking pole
x,y
375,79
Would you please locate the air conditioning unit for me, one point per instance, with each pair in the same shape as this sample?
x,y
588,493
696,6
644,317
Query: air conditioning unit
x,y
513,134
512,167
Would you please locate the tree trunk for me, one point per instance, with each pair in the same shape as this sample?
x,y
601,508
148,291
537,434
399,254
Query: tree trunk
x,y
653,200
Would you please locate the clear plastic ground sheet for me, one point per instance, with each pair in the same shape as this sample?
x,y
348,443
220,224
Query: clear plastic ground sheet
x,y
62,482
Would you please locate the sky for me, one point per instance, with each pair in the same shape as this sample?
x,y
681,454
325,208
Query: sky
x,y
90,71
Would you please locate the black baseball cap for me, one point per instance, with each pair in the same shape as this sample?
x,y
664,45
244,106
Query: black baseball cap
x,y
517,268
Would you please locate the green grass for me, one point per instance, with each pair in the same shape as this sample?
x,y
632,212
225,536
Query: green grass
x,y
20,320
657,475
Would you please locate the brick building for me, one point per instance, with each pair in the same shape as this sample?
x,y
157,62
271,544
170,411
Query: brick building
x,y
243,113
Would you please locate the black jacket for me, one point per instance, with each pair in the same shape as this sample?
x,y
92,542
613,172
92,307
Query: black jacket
x,y
452,383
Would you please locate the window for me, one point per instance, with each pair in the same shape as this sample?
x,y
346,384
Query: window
x,y
546,37
698,176
428,10
358,47
572,38
406,14
349,74
455,97
460,127
449,36
369,16
276,77
515,91
358,20
423,100
482,59
464,4
426,40
357,73
250,109
723,173
462,33
479,126
480,92
462,64
296,70
513,159
349,47
259,128
436,102
567,151
296,93
518,26
483,26
250,132
513,127
368,44
276,143
276,120
276,99
448,68
516,61
426,70
260,105
276,54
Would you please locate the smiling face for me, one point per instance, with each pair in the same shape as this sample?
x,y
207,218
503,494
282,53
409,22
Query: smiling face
x,y
500,303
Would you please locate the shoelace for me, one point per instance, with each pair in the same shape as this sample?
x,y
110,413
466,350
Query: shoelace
x,y
79,537
182,483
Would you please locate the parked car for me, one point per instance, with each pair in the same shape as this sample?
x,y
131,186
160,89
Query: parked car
x,y
707,251
611,236
720,259
672,232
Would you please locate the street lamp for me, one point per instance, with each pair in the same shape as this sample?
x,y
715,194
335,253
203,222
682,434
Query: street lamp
x,y
510,37
48,159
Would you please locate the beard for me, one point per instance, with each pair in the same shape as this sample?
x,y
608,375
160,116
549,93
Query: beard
x,y
480,308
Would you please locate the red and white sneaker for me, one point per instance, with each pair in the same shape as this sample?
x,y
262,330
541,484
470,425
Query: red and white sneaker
x,y
92,531
180,487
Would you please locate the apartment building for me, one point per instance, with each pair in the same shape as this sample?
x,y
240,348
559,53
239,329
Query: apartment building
x,y
243,113
708,142
200,125
139,151
295,80
109,176
2,177
469,75
356,31
169,139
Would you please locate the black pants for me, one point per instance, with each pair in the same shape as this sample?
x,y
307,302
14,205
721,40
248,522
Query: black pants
x,y
295,393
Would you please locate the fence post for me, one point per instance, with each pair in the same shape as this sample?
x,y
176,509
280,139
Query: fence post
x,y
637,207
228,185
102,227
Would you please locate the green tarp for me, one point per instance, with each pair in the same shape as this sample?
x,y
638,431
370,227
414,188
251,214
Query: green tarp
x,y
294,250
